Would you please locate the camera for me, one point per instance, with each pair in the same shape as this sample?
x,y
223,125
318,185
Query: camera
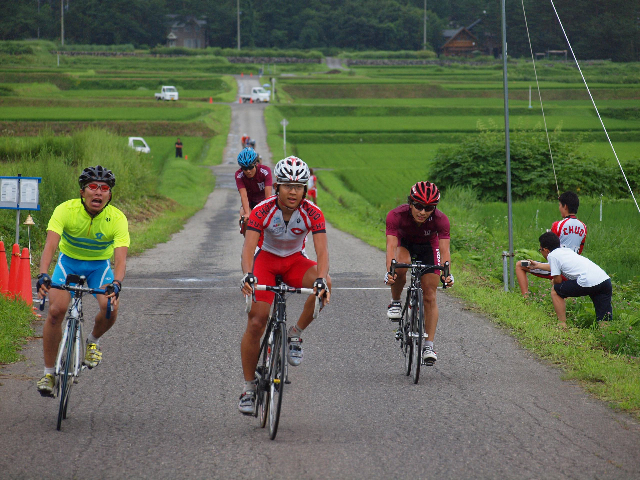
x,y
525,263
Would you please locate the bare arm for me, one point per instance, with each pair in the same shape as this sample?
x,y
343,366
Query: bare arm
x,y
444,244
539,265
50,246
392,246
244,198
120,261
321,246
251,239
557,279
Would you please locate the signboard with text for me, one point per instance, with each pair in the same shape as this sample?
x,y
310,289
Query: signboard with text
x,y
20,193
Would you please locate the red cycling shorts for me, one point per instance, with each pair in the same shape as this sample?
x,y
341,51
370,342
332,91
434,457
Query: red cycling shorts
x,y
292,268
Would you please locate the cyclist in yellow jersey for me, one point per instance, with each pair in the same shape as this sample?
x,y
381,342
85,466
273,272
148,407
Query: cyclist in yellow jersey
x,y
88,232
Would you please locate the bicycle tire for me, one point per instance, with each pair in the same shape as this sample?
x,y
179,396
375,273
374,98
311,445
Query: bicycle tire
x,y
65,378
418,333
262,393
277,377
407,344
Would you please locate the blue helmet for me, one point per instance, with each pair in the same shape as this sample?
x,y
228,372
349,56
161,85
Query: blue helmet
x,y
247,157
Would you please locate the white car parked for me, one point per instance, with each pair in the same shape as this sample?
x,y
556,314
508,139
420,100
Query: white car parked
x,y
139,144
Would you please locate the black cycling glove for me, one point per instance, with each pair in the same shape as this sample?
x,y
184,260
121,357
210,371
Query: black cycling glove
x,y
249,278
321,284
43,279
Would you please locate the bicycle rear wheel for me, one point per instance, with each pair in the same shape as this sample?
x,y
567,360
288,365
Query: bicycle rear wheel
x,y
277,377
407,344
417,333
66,372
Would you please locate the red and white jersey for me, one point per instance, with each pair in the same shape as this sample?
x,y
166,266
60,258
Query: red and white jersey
x,y
280,238
572,233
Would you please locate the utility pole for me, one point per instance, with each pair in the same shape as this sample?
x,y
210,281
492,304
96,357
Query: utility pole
x,y
238,24
507,150
424,38
62,22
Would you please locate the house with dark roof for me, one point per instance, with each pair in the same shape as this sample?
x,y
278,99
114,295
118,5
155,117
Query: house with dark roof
x,y
187,32
465,43
459,42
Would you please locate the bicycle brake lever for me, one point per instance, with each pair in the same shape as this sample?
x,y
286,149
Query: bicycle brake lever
x,y
445,274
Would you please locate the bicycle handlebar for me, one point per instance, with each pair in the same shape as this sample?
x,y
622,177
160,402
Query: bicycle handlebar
x,y
80,289
282,289
424,268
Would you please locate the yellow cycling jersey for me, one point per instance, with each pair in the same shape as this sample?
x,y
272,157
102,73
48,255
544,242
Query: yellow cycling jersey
x,y
86,238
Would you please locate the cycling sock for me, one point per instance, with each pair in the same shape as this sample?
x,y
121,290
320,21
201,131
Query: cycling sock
x,y
92,339
295,331
250,386
428,343
49,371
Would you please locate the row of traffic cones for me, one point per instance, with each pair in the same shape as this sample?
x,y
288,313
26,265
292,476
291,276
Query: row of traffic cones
x,y
17,282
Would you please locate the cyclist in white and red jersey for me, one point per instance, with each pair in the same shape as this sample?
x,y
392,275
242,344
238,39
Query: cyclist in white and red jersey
x,y
274,245
418,229
571,231
253,181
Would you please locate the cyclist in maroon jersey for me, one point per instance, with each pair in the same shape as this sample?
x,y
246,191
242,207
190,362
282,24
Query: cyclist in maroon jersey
x,y
418,229
571,231
253,181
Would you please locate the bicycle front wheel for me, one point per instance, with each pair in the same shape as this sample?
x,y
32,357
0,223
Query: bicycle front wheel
x,y
262,392
417,334
407,344
66,372
277,377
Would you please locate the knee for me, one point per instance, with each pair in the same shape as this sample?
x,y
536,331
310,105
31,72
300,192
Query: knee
x,y
255,326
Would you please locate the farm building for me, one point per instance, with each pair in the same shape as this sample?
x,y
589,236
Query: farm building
x,y
459,42
187,32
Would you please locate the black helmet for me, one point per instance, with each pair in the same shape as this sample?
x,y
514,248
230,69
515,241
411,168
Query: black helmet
x,y
97,174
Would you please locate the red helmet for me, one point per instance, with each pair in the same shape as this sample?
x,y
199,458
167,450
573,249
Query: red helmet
x,y
425,192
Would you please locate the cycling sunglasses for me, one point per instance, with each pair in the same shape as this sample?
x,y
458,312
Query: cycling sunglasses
x,y
246,169
94,186
420,207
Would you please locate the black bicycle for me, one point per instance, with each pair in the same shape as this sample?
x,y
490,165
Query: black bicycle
x,y
410,333
69,361
272,370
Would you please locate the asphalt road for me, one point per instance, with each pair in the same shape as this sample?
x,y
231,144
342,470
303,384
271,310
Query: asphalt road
x,y
163,404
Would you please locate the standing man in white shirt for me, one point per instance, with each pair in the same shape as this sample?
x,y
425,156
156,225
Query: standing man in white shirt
x,y
583,277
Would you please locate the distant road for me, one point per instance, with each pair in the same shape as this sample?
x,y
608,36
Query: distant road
x,y
163,404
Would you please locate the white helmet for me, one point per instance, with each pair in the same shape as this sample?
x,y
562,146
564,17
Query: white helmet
x,y
291,170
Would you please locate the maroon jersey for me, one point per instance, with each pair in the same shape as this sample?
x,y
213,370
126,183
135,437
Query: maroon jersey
x,y
255,186
400,224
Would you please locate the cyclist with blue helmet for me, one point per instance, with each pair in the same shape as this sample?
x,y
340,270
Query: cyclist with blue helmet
x,y
254,183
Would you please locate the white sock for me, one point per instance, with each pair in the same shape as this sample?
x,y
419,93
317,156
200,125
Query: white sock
x,y
92,339
428,343
295,331
49,371
250,386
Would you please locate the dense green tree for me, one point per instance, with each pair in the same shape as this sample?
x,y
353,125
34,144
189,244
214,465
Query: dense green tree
x,y
596,28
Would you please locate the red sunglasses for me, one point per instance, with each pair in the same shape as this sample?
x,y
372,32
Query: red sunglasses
x,y
94,186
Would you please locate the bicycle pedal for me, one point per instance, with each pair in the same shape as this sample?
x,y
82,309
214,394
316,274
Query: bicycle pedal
x,y
287,382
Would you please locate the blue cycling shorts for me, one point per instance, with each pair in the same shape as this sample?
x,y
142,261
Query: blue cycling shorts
x,y
97,272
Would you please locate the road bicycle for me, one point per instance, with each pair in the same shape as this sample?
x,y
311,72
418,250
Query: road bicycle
x,y
272,372
69,361
410,332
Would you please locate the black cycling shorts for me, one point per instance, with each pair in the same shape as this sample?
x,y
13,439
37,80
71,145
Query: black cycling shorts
x,y
422,252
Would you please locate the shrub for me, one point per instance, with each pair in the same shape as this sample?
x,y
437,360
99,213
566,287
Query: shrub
x,y
15,48
479,162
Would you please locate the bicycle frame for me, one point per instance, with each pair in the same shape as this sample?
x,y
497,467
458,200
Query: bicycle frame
x,y
74,322
273,373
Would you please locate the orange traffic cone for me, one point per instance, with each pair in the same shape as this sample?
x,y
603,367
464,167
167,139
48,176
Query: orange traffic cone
x,y
4,270
251,100
242,74
239,99
210,99
24,278
14,287
251,74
